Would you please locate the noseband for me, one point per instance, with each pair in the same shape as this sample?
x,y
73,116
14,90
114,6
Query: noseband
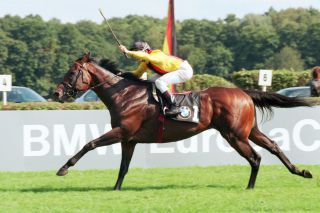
x,y
70,88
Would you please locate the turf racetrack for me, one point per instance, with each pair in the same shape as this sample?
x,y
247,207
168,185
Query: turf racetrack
x,y
190,189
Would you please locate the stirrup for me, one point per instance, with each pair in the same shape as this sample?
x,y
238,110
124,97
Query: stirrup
x,y
174,110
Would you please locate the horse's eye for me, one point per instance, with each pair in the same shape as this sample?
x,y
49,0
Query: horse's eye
x,y
70,74
73,72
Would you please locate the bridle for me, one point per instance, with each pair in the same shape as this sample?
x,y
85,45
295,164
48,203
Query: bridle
x,y
70,88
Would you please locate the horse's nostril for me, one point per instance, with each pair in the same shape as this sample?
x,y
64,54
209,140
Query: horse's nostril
x,y
56,96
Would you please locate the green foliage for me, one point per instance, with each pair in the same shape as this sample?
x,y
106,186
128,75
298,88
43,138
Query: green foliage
x,y
311,43
219,61
280,79
200,82
246,79
38,53
257,41
287,58
195,56
190,189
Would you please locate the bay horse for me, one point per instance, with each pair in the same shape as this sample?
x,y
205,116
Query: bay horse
x,y
315,82
134,116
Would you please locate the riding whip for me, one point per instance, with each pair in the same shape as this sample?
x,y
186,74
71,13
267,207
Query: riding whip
x,y
114,35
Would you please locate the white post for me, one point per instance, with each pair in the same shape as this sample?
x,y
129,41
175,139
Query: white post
x,y
264,88
5,86
4,97
265,79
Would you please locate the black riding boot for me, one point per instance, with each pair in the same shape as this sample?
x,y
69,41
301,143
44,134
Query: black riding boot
x,y
173,108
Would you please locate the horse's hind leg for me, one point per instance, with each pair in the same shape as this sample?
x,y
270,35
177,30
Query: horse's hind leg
x,y
243,147
260,139
127,152
111,137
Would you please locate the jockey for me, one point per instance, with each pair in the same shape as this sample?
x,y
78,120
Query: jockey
x,y
168,70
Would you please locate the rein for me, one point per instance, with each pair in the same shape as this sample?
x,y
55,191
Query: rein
x,y
98,85
101,83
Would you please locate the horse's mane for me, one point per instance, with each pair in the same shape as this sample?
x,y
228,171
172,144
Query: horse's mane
x,y
109,65
113,67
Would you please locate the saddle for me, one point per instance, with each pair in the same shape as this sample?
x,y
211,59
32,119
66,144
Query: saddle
x,y
188,102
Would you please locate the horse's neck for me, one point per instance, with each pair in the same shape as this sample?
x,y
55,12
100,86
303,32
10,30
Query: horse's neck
x,y
103,81
105,77
114,91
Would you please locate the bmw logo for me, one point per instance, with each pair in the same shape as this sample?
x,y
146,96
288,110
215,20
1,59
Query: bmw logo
x,y
185,112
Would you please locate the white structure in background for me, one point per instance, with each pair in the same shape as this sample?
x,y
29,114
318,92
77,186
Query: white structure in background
x,y
265,79
144,76
5,86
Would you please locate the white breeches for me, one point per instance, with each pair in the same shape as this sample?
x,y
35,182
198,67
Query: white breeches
x,y
181,75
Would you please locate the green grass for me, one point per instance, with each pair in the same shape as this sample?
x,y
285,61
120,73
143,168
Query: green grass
x,y
190,189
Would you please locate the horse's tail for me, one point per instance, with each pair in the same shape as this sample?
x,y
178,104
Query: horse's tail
x,y
265,100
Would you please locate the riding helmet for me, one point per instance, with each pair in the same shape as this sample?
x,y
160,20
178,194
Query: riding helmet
x,y
140,45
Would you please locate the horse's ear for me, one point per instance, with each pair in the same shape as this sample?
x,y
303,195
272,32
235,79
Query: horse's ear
x,y
86,57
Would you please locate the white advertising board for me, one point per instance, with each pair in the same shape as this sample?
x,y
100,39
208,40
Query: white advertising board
x,y
46,139
265,77
5,83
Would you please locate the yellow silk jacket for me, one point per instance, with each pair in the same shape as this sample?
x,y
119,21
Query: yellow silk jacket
x,y
156,60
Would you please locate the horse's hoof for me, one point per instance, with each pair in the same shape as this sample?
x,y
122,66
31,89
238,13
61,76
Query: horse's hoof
x,y
116,188
62,172
250,188
306,174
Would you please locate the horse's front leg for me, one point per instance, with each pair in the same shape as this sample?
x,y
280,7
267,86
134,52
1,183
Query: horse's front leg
x,y
111,137
127,152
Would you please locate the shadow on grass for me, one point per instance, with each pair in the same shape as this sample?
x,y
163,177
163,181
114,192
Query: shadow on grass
x,y
124,188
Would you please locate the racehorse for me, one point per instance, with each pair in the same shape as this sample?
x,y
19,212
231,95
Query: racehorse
x,y
134,116
315,82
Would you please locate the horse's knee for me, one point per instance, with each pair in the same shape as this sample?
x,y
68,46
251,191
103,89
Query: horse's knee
x,y
275,149
258,157
89,146
255,161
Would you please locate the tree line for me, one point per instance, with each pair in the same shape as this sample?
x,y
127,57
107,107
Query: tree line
x,y
37,53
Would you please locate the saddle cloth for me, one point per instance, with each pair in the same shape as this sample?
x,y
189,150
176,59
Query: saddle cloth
x,y
189,103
